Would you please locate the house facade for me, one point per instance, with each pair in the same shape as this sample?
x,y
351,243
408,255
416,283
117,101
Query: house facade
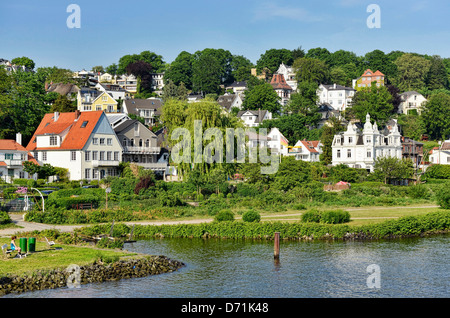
x,y
337,96
366,79
441,155
140,145
229,101
128,83
282,89
94,100
411,102
277,143
252,118
307,150
82,142
289,75
12,157
149,109
359,147
412,150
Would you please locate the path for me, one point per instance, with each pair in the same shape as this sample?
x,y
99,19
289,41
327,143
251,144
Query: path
x,y
17,218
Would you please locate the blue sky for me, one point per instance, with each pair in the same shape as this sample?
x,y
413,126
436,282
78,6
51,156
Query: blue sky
x,y
111,29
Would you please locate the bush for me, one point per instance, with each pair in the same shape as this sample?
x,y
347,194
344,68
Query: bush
x,y
334,217
4,218
311,216
251,216
443,197
328,217
224,215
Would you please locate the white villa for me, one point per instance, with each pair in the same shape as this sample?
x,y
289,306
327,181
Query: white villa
x,y
307,150
12,157
411,101
337,96
441,154
358,148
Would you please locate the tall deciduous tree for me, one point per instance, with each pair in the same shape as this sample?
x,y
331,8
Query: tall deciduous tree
x,y
311,70
412,71
393,168
437,77
180,70
24,61
271,59
262,97
435,115
143,72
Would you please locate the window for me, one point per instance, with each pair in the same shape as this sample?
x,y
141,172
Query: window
x,y
109,155
44,156
94,173
87,156
73,155
124,142
9,156
83,125
147,143
102,155
369,154
338,153
102,141
95,155
98,107
116,156
87,173
109,141
349,153
53,140
350,140
95,141
140,142
104,98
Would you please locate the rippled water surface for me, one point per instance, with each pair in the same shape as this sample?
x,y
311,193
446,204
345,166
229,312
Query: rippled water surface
x,y
246,269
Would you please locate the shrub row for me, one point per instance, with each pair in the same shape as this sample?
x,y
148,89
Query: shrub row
x,y
329,217
402,227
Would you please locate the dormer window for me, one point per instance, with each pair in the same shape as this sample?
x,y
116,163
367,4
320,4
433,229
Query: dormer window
x,y
83,125
53,140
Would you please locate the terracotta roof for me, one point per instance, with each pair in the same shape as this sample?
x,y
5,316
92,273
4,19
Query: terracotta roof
x,y
278,82
2,163
310,145
77,136
372,73
9,144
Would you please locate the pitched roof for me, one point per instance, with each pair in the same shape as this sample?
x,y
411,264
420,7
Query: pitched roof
x,y
311,145
260,114
278,82
9,144
77,136
135,103
372,73
337,87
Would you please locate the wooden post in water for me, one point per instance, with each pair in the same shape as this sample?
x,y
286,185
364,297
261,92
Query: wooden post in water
x,y
276,248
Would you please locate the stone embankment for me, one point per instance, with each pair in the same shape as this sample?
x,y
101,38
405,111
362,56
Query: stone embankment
x,y
94,273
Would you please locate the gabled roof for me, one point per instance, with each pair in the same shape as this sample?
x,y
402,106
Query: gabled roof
x,y
135,103
278,82
259,114
310,145
9,144
77,135
337,87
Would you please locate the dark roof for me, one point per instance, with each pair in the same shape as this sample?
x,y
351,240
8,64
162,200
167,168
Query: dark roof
x,y
128,123
238,84
258,113
135,103
278,82
337,87
226,100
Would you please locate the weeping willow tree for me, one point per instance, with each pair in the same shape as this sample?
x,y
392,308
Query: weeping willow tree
x,y
204,123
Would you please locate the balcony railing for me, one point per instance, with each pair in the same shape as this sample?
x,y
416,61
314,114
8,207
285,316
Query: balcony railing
x,y
152,165
141,150
105,163
13,163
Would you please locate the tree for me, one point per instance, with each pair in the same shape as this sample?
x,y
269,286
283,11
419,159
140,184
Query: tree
x,y
377,101
24,61
180,70
393,168
43,172
437,77
262,97
435,116
291,173
241,68
206,75
155,60
272,59
111,69
98,69
412,71
328,132
62,104
319,53
305,100
311,70
377,60
143,72
412,126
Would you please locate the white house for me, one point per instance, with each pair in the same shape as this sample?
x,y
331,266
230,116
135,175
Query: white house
x,y
277,143
411,101
229,101
359,147
307,150
337,96
115,91
252,118
127,82
82,142
289,75
441,154
12,157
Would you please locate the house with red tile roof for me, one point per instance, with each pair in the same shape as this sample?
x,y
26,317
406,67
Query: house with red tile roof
x,y
441,155
12,157
307,150
282,88
367,78
83,142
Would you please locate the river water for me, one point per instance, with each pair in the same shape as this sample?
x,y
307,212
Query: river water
x,y
219,268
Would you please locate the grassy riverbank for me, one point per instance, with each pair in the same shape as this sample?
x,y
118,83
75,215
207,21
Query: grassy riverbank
x,y
46,258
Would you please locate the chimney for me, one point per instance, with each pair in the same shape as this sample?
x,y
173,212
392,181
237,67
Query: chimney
x,y
19,138
77,114
335,85
55,116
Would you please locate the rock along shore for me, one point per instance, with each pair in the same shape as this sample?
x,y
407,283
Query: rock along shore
x,y
94,273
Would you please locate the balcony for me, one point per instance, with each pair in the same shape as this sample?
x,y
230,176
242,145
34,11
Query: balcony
x,y
141,150
152,165
10,163
105,163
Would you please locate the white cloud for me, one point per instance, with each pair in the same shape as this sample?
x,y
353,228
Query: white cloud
x,y
270,10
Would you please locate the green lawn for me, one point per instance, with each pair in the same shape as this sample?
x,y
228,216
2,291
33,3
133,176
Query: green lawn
x,y
46,258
